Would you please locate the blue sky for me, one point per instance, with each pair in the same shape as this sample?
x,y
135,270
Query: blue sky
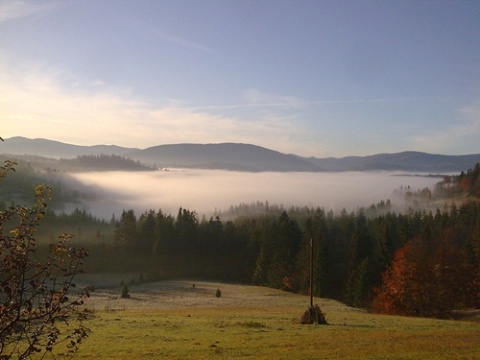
x,y
314,78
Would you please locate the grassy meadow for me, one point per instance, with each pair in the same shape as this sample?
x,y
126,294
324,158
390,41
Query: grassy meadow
x,y
176,320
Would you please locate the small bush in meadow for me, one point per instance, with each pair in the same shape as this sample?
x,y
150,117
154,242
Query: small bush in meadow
x,y
125,292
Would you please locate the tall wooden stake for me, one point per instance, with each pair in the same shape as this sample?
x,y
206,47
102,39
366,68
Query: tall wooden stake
x,y
311,272
313,315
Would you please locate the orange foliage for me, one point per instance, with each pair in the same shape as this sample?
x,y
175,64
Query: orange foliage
x,y
466,183
423,280
289,283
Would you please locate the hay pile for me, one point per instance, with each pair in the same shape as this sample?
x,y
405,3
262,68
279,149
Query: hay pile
x,y
314,316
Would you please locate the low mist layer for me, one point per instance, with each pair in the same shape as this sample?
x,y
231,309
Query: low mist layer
x,y
208,190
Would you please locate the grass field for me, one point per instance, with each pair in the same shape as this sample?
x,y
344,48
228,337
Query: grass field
x,y
176,320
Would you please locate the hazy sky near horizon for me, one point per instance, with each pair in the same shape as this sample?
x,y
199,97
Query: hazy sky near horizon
x,y
315,78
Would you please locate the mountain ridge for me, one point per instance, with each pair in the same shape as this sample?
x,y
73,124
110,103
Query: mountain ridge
x,y
244,157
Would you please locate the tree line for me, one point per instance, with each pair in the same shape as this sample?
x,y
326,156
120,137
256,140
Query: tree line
x,y
103,162
359,260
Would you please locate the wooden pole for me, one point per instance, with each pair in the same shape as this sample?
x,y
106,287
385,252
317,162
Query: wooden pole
x,y
311,272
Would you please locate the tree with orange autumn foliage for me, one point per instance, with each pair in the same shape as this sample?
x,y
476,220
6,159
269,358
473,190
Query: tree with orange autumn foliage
x,y
423,279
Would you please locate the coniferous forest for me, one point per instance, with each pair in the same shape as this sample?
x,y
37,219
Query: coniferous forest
x,y
419,263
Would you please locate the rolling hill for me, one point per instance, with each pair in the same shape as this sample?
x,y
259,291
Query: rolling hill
x,y
403,161
227,156
56,149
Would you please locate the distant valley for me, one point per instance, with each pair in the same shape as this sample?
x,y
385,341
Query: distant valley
x,y
243,157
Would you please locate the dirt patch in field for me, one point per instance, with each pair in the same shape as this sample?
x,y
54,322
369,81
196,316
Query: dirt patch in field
x,y
187,294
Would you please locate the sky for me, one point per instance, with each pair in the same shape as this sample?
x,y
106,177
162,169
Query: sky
x,y
313,78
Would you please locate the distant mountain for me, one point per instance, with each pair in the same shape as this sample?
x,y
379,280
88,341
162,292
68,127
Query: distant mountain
x,y
227,156
244,157
55,149
404,161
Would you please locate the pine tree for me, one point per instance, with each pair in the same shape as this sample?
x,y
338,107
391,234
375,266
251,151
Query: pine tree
x,y
126,230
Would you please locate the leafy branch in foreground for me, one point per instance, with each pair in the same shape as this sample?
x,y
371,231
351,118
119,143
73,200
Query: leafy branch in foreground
x,y
36,312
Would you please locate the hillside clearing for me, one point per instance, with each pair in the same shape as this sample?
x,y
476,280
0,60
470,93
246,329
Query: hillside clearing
x,y
177,320
182,294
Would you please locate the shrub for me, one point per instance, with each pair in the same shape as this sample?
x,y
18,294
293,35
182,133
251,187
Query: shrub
x,y
125,292
37,309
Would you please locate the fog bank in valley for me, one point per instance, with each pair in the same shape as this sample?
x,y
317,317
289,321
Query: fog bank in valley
x,y
208,190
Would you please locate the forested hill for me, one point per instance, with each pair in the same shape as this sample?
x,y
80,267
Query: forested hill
x,y
245,157
55,149
408,161
102,163
228,156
